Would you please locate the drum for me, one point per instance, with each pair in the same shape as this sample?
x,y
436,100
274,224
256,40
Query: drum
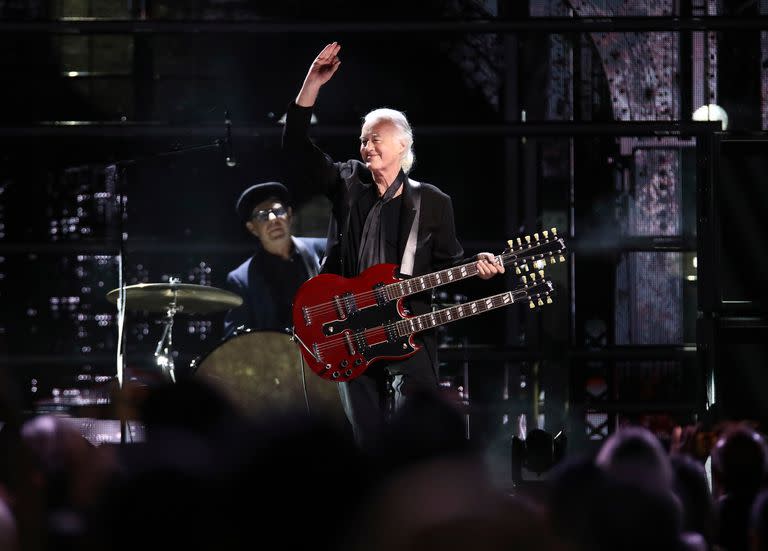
x,y
263,373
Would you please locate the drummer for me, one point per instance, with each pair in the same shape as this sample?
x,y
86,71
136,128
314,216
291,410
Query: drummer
x,y
281,262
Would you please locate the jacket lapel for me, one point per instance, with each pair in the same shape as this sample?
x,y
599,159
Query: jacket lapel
x,y
409,225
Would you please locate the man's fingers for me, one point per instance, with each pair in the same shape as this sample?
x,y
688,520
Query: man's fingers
x,y
328,55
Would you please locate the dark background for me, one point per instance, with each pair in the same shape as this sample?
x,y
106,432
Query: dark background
x,y
629,337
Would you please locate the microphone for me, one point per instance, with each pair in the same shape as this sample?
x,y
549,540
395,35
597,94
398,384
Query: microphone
x,y
229,157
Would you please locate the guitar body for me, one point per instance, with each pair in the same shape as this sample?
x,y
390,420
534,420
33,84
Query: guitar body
x,y
342,323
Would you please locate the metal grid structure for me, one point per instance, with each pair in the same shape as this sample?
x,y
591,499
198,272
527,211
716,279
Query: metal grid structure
x,y
585,40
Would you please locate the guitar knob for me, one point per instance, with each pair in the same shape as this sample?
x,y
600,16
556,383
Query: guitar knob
x,y
358,361
327,367
348,373
335,375
344,363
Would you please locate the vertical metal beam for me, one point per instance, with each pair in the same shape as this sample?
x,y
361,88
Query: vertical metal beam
x,y
143,67
510,112
510,109
691,72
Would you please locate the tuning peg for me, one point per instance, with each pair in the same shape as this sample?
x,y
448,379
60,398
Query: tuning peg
x,y
511,243
528,239
552,260
562,258
533,276
536,236
518,271
549,299
540,264
540,302
524,279
554,231
545,233
541,274
525,267
531,305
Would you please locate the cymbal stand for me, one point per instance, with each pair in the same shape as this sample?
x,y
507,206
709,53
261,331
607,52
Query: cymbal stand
x,y
115,172
164,350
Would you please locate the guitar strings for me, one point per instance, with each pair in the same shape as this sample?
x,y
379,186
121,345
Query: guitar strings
x,y
327,307
341,339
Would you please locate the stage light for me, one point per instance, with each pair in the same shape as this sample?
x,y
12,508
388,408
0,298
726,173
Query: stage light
x,y
533,456
711,112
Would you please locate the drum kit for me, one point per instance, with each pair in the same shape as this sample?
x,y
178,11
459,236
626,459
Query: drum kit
x,y
261,371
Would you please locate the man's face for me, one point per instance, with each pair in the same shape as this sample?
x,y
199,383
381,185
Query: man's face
x,y
381,147
270,222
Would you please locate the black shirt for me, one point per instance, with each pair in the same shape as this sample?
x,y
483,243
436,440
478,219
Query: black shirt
x,y
283,278
390,214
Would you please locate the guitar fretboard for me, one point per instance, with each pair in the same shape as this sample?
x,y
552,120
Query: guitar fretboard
x,y
429,281
454,313
532,251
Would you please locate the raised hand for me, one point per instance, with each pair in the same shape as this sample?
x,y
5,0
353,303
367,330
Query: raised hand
x,y
322,69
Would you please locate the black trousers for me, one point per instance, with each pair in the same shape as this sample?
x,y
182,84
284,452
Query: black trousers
x,y
372,397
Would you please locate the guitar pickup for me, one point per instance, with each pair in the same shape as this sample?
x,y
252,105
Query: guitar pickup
x,y
345,305
350,306
380,294
360,341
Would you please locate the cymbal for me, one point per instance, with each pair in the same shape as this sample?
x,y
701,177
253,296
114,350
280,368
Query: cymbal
x,y
190,298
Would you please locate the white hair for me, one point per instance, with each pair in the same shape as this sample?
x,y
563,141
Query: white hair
x,y
405,133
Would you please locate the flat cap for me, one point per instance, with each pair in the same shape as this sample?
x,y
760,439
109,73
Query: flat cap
x,y
258,193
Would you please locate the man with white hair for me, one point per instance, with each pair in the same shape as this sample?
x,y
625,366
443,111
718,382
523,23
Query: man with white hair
x,y
378,215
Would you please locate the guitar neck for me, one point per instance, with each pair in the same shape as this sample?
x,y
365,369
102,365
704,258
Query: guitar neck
x,y
460,311
426,282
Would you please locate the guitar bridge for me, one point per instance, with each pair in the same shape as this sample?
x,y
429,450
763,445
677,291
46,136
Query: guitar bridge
x,y
306,316
339,308
348,342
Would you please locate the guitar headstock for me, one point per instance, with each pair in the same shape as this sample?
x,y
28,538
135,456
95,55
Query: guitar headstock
x,y
537,290
533,252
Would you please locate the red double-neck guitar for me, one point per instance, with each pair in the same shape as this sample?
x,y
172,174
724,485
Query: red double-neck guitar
x,y
343,325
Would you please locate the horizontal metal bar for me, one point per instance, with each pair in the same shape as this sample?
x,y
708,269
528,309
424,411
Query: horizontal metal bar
x,y
546,128
632,243
501,353
105,248
108,247
451,353
439,26
638,407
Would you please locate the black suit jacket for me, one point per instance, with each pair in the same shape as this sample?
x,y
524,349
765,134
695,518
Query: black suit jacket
x,y
257,311
311,172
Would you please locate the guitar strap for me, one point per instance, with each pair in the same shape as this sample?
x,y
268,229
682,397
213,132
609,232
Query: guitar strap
x,y
409,253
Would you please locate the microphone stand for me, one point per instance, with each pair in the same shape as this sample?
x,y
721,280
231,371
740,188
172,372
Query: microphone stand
x,y
120,167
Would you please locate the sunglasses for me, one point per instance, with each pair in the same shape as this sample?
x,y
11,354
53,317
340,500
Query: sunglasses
x,y
263,215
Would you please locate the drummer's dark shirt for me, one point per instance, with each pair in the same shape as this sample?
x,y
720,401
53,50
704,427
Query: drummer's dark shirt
x,y
283,278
